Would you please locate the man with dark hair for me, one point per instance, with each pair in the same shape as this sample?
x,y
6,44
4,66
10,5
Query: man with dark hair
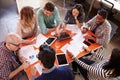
x,y
46,57
49,18
100,26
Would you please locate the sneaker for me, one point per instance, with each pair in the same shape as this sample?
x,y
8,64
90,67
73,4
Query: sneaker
x,y
75,72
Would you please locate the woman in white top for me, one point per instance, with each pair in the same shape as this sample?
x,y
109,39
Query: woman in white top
x,y
27,26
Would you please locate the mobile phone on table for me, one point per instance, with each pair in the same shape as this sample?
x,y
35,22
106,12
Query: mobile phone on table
x,y
50,40
91,40
87,43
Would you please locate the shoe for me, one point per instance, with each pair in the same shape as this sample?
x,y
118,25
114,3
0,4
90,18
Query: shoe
x,y
74,72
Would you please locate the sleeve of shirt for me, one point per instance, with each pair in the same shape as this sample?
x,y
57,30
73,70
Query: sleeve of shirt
x,y
98,53
41,22
91,23
36,28
66,17
92,69
18,29
57,16
5,70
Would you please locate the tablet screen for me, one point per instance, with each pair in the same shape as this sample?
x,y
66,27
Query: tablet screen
x,y
61,58
92,41
50,40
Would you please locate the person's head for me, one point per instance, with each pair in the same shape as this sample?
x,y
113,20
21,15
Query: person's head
x,y
77,10
48,8
114,63
27,15
46,56
13,41
101,16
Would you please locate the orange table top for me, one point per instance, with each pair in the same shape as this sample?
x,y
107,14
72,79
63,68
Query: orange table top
x,y
59,44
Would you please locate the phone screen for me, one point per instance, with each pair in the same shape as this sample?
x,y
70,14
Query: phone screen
x,y
62,59
85,42
50,40
92,41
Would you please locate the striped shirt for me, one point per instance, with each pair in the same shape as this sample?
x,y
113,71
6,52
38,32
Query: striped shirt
x,y
96,72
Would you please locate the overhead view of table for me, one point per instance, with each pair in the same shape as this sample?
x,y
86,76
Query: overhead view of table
x,y
74,44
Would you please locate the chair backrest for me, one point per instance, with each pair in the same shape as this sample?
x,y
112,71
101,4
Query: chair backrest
x,y
109,9
114,28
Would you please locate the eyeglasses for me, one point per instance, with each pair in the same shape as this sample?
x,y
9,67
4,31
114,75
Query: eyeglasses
x,y
15,44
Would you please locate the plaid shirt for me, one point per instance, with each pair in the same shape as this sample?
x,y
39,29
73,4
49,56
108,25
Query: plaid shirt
x,y
8,63
102,32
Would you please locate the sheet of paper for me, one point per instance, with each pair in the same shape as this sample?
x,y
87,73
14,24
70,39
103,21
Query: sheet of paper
x,y
78,37
76,45
40,40
73,49
29,53
64,48
39,68
73,28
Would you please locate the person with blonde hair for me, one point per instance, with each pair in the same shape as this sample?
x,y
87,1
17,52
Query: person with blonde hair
x,y
27,25
10,68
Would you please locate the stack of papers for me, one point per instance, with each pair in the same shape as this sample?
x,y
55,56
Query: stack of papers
x,y
29,53
40,40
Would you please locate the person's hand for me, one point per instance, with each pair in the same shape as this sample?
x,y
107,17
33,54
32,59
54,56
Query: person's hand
x,y
64,27
87,37
25,65
86,49
22,59
69,54
34,40
75,17
33,70
59,30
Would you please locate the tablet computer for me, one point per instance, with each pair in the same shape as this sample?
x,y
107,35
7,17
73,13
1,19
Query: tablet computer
x,y
50,40
61,59
92,41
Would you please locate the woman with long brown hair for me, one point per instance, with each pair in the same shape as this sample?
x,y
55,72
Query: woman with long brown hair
x,y
27,26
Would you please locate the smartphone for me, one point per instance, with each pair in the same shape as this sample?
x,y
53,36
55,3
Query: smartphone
x,y
61,59
92,41
50,40
85,42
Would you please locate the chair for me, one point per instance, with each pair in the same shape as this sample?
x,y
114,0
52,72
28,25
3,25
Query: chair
x,y
114,28
109,9
110,15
